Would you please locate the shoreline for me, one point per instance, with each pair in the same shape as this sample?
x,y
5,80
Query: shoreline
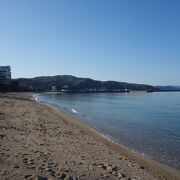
x,y
144,161
91,128
34,129
75,114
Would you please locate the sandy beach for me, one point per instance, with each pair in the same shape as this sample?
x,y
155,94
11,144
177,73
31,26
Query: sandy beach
x,y
37,141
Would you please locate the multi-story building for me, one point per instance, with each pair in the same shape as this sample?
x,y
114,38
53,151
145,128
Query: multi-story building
x,y
5,75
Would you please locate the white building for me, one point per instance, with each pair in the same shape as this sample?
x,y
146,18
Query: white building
x,y
5,74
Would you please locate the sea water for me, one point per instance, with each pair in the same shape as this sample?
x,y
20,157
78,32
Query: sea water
x,y
147,123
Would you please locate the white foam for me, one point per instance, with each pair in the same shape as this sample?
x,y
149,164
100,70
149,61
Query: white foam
x,y
74,111
36,98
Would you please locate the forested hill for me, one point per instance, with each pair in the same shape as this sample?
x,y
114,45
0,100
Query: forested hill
x,y
72,83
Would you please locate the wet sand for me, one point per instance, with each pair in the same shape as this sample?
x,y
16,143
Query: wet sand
x,y
37,141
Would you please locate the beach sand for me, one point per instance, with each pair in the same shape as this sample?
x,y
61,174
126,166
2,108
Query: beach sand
x,y
37,140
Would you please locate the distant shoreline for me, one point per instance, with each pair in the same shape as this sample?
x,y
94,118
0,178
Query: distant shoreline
x,y
82,91
75,84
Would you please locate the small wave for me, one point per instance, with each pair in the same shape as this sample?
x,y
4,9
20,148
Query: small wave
x,y
37,100
74,111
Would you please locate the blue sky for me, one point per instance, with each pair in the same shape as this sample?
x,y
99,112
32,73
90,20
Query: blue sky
x,y
125,40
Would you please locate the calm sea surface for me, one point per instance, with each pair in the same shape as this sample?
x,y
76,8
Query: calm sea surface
x,y
148,123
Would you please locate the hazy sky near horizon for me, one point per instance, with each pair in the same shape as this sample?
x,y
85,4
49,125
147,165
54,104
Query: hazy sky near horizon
x,y
124,40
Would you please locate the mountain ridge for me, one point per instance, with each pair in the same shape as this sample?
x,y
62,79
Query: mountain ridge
x,y
73,83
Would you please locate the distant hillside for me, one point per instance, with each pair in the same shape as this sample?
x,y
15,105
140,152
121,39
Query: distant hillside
x,y
72,83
